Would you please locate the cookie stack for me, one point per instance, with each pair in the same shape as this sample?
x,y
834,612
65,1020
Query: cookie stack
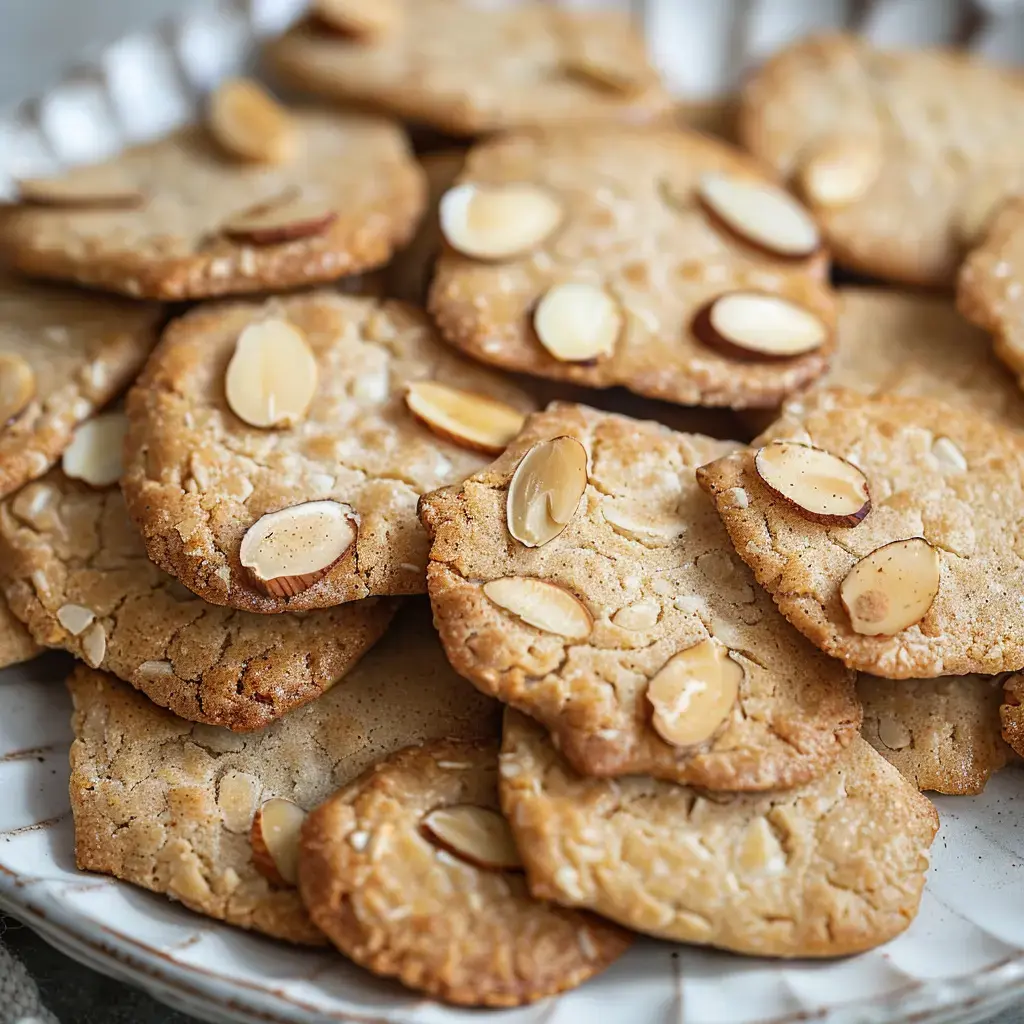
x,y
727,670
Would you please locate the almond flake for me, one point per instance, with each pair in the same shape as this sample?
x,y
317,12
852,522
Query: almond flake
x,y
477,835
578,323
75,618
948,455
94,454
640,616
284,218
94,645
895,735
496,222
82,187
471,421
756,325
17,385
546,490
275,841
545,606
841,172
249,123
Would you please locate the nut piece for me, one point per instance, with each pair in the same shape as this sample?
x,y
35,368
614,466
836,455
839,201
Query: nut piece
x,y
472,421
599,58
578,323
83,187
821,486
94,645
17,385
94,454
840,172
75,618
694,693
283,218
756,325
894,734
949,457
545,606
271,378
892,588
367,19
477,835
496,222
545,490
289,550
761,214
639,616
249,123
275,841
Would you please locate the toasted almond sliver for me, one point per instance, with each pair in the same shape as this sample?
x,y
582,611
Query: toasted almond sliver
x,y
577,323
275,841
94,645
545,606
894,734
75,618
892,588
477,835
272,376
840,172
639,616
249,123
756,325
284,218
545,490
17,385
83,187
472,421
94,454
368,19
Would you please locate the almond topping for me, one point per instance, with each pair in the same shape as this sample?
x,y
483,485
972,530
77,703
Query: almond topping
x,y
545,490
17,385
639,616
894,734
75,618
760,851
949,457
694,693
368,19
601,59
284,218
94,645
288,551
477,835
545,606
821,486
840,172
275,841
578,323
94,454
496,222
249,123
892,588
271,378
471,421
83,187
755,325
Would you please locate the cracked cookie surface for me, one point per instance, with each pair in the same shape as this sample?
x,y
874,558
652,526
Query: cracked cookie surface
x,y
1011,713
834,868
76,572
394,901
197,477
647,555
16,645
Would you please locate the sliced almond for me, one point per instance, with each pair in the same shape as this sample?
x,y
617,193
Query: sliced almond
x,y
892,588
94,645
496,222
761,214
840,172
275,841
249,123
545,606
821,486
17,385
288,551
271,378
640,616
756,325
694,693
894,734
95,452
578,323
472,421
601,59
75,618
284,218
82,187
477,835
546,490
367,19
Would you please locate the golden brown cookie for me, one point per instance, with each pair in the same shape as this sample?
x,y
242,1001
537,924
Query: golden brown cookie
x,y
606,256
831,869
16,645
585,579
171,805
201,479
412,872
204,222
1011,714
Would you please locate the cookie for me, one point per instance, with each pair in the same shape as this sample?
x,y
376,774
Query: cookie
x,y
886,529
902,156
77,573
201,222
16,645
831,869
585,579
1011,715
942,734
171,805
348,458
63,355
470,71
657,259
412,872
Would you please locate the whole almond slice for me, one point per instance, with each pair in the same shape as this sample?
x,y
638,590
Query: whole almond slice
x,y
286,552
85,187
821,486
75,618
892,588
840,172
275,841
545,606
694,693
248,122
367,19
271,379
477,835
17,385
285,218
578,323
546,490
471,421
756,325
761,214
497,222
95,452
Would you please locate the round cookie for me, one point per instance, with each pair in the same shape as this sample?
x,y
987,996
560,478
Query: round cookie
x,y
946,488
648,647
445,912
834,868
903,156
170,805
354,176
647,262
16,645
198,476
467,70
63,355
76,571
